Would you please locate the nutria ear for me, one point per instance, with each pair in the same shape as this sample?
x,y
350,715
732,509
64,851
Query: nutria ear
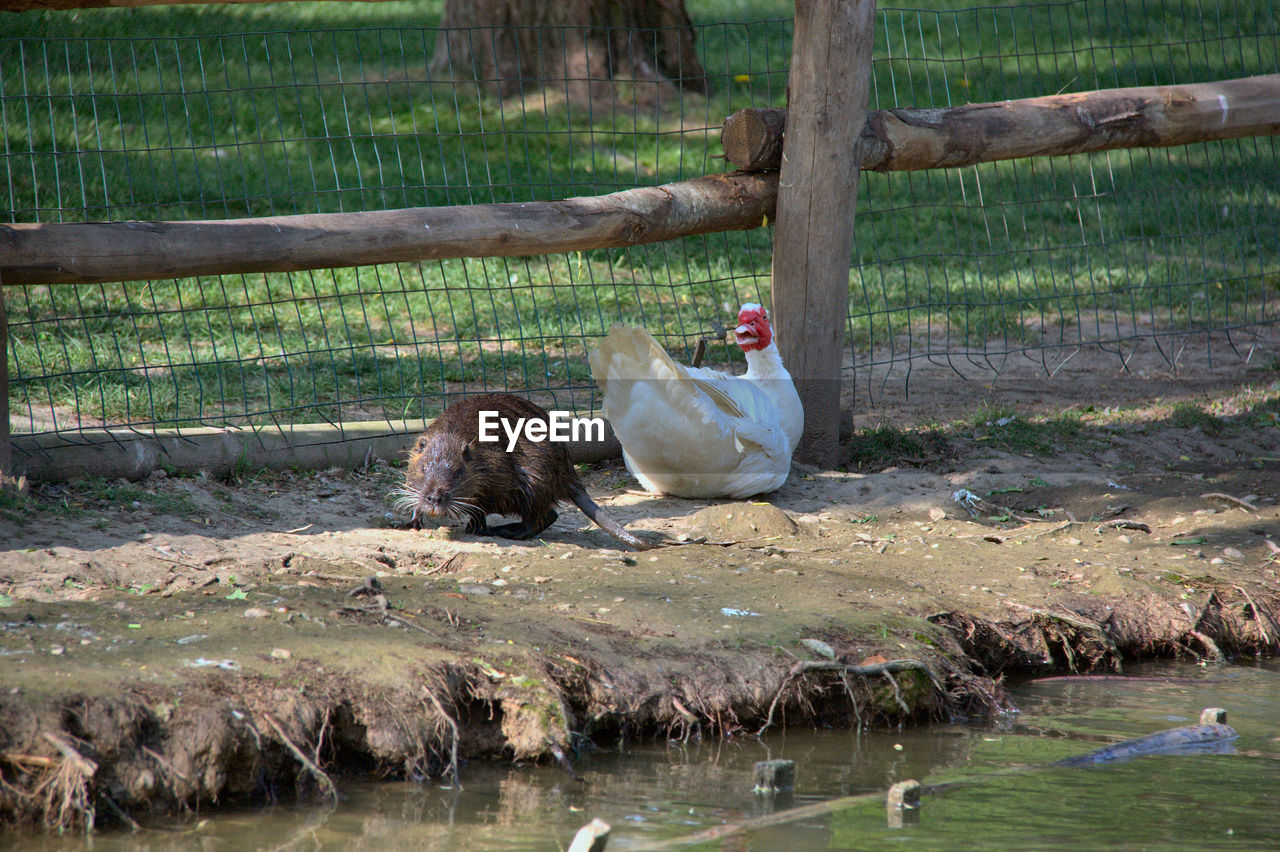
x,y
466,451
420,443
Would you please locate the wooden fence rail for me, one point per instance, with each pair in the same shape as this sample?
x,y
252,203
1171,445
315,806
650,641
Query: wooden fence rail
x,y
1139,117
1155,116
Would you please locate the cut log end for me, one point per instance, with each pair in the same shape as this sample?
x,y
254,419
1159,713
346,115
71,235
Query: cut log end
x,y
752,139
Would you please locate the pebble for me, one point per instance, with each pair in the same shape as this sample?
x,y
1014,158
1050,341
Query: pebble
x,y
1123,539
57,650
474,589
1232,553
817,646
255,612
281,653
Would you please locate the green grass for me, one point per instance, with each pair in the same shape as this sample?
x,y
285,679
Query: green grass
x,y
1189,415
1004,428
886,444
262,109
124,495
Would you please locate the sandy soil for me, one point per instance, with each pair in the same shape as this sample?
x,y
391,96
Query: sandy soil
x,y
185,640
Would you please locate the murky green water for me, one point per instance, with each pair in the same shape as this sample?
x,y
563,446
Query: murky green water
x,y
656,792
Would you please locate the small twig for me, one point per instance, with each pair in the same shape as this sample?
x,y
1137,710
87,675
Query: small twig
x,y
682,710
1063,526
703,540
165,765
691,722
82,764
328,577
897,694
1218,495
29,760
1125,525
445,567
404,622
699,351
324,727
186,565
1215,653
120,813
319,774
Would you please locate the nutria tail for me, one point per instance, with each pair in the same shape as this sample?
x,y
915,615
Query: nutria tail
x,y
583,501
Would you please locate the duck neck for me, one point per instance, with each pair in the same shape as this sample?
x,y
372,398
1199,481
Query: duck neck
x,y
765,363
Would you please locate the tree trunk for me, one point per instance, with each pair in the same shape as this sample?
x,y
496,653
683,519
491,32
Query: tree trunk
x,y
585,48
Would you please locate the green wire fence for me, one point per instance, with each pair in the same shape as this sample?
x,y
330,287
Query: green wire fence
x,y
124,119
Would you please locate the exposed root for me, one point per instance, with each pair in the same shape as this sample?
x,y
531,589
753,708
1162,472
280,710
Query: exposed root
x,y
688,721
886,669
1214,652
322,777
67,792
110,757
1258,613
453,739
1065,641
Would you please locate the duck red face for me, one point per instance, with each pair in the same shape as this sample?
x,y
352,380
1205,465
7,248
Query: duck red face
x,y
753,331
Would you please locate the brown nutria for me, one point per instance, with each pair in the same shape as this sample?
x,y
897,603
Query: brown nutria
x,y
453,474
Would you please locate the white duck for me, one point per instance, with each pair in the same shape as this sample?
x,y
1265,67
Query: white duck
x,y
696,432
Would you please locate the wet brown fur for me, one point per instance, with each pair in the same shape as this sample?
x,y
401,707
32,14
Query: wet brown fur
x,y
452,473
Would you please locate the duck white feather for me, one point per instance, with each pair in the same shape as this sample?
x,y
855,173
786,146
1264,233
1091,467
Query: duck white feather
x,y
696,432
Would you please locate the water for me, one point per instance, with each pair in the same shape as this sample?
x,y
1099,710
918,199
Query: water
x,y
654,792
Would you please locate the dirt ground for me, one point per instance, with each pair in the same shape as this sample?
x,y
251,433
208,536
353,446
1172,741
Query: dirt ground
x,y
181,641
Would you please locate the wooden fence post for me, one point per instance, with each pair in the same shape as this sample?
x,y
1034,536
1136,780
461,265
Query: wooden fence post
x,y
6,449
818,183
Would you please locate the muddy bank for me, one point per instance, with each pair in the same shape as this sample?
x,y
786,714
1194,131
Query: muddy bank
x,y
177,643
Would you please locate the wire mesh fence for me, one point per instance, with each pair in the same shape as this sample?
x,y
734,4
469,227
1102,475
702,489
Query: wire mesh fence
x,y
120,119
